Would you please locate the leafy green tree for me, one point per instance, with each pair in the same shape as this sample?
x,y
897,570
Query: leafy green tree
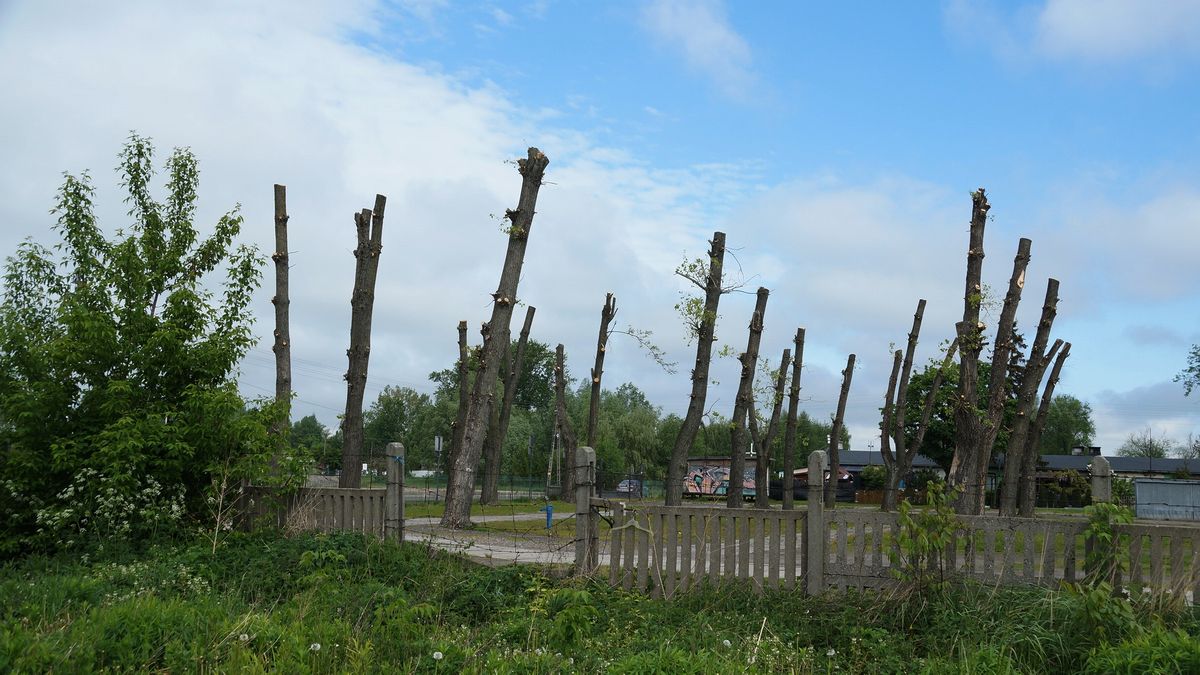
x,y
940,437
308,433
118,406
412,418
1068,424
1146,444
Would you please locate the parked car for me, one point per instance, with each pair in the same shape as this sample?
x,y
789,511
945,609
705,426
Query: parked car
x,y
845,487
630,487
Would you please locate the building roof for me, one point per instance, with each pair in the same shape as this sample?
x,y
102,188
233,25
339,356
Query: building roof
x,y
1143,465
857,459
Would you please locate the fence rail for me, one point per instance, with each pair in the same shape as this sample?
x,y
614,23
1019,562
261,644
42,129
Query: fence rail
x,y
375,511
666,550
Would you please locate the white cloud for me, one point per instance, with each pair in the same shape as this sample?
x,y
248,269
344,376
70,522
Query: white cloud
x,y
286,96
1160,408
701,32
1085,31
1109,30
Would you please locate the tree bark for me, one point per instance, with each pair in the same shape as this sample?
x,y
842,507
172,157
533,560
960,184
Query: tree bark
x,y
1028,498
968,428
835,436
562,422
369,225
606,316
460,417
490,493
282,302
1035,367
762,468
998,383
975,427
458,500
789,434
704,339
743,404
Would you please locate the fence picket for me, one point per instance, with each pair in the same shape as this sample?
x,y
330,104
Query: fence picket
x,y
614,542
672,545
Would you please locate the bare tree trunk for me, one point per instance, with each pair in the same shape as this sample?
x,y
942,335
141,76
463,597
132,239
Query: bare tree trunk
x,y
891,417
789,434
762,469
704,339
369,225
458,500
1035,367
460,417
606,316
998,384
743,405
968,428
1028,498
283,338
975,427
895,421
562,422
490,493
904,464
835,436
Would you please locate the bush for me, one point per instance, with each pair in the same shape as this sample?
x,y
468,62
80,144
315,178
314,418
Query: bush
x,y
1157,651
121,415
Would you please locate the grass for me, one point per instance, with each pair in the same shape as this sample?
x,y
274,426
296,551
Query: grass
x,y
345,603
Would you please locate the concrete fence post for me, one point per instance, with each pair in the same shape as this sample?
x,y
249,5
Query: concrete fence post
x,y
815,534
586,531
1101,480
393,499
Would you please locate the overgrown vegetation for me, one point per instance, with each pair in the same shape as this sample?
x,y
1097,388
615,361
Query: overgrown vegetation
x,y
119,416
344,603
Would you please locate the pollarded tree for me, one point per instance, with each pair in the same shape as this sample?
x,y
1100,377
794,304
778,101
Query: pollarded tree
x,y
894,429
701,317
117,364
496,338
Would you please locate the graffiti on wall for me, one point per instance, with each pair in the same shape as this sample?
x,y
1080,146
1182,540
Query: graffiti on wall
x,y
714,481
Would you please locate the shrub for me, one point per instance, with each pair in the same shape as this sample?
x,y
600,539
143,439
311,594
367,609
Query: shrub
x,y
1158,650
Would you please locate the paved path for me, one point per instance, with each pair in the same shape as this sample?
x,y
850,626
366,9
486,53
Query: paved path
x,y
493,547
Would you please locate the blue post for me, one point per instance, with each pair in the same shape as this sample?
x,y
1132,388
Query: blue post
x,y
549,509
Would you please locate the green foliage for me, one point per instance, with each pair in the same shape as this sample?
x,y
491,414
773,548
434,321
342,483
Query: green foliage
x,y
939,439
923,537
1103,564
1068,424
1145,444
117,360
1068,488
1122,491
378,607
1159,650
874,477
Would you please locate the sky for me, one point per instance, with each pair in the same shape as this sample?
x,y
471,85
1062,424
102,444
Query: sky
x,y
836,144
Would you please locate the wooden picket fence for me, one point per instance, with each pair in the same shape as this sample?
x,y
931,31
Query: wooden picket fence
x,y
374,511
667,550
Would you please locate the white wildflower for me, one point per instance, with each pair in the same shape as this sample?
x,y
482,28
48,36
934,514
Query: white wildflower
x,y
727,643
831,653
314,647
244,638
437,656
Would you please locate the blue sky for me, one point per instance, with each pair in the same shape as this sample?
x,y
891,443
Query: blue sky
x,y
836,144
